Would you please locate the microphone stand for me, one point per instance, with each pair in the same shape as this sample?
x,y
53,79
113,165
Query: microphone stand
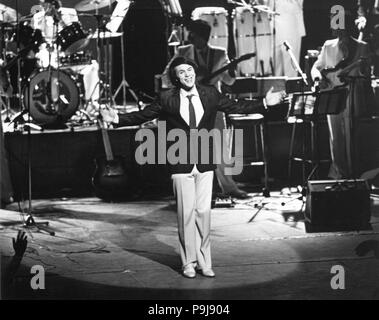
x,y
304,84
29,221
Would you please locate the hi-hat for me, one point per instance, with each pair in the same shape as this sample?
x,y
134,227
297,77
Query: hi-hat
x,y
88,5
7,14
105,35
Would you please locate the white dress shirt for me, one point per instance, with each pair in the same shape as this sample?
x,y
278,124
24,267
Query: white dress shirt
x,y
184,105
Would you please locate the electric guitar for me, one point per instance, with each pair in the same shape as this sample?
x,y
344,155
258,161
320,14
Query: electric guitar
x,y
110,180
339,75
232,64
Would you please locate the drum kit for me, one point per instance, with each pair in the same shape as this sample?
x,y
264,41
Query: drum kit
x,y
40,52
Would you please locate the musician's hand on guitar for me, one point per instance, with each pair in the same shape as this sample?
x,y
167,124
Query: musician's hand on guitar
x,y
274,98
108,115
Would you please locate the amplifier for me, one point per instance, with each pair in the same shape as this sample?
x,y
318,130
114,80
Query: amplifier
x,y
337,205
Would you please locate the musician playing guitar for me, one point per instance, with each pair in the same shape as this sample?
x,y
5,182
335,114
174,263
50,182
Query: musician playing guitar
x,y
352,59
210,60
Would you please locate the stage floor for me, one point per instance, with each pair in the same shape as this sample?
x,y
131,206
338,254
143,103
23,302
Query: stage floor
x,y
130,251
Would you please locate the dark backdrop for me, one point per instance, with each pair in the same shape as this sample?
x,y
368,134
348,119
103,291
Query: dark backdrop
x,y
146,29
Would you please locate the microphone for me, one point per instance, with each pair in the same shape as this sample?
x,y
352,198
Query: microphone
x,y
295,62
286,44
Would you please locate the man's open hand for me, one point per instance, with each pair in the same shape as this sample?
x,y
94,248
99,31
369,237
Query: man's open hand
x,y
274,98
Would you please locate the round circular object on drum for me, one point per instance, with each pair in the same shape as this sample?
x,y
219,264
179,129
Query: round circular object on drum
x,y
217,18
47,86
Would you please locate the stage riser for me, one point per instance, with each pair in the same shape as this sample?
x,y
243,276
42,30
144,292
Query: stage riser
x,y
63,162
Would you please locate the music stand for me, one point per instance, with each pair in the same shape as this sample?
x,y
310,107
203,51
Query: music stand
x,y
311,107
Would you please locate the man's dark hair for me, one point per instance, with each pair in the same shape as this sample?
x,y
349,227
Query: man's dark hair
x,y
56,3
200,28
176,62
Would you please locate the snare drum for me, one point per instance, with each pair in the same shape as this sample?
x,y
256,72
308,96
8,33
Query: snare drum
x,y
254,34
75,59
217,18
72,38
46,86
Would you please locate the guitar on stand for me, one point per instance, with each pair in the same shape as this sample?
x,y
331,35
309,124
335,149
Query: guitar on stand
x,y
110,180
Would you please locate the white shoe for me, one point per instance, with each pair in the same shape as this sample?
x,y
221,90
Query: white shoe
x,y
207,273
189,271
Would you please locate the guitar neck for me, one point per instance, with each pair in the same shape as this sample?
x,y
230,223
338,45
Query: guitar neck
x,y
216,73
107,144
226,67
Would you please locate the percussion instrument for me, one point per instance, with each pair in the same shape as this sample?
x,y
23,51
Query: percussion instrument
x,y
30,39
7,14
88,5
217,18
253,32
53,95
72,38
78,58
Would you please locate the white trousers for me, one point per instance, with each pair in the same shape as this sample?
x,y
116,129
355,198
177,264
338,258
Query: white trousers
x,y
193,192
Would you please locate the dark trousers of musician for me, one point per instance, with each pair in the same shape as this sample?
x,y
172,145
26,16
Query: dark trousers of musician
x,y
344,143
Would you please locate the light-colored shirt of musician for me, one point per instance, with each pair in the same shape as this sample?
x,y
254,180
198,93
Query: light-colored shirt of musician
x,y
344,159
46,24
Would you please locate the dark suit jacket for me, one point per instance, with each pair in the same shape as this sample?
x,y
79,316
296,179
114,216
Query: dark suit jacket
x,y
167,108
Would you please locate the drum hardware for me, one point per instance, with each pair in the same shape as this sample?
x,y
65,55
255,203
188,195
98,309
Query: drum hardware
x,y
89,5
72,38
124,85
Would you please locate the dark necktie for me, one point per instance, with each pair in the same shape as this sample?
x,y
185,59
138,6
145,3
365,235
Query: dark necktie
x,y
192,114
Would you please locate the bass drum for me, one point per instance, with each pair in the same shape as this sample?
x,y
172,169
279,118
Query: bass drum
x,y
53,96
217,17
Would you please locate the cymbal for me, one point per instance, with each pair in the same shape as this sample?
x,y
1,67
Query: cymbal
x,y
88,5
105,35
7,14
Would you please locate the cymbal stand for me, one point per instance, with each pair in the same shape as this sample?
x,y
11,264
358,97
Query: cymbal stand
x,y
5,99
28,222
124,85
101,84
